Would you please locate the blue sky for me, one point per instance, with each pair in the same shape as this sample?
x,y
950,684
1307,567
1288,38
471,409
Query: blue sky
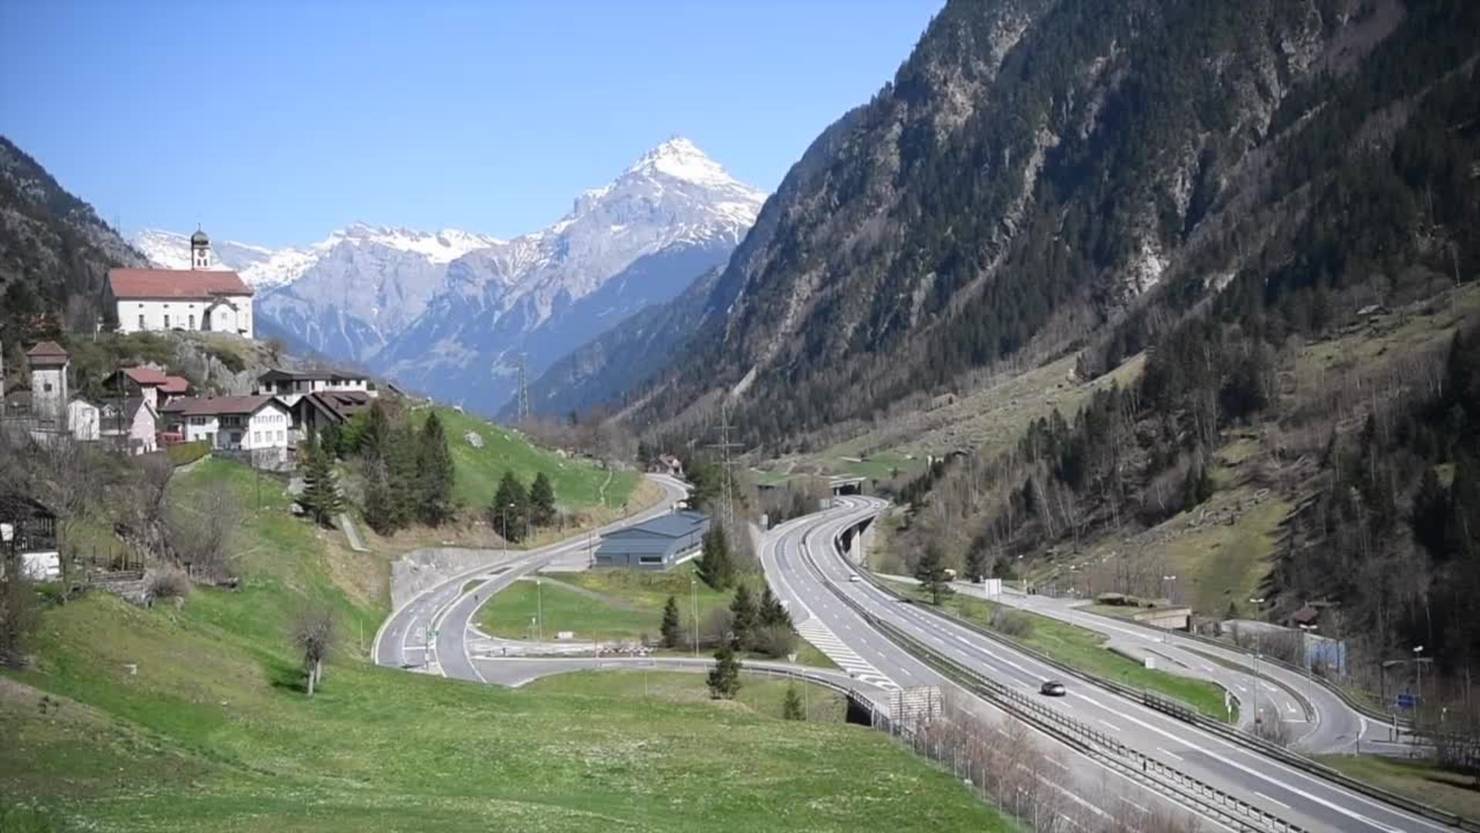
x,y
276,122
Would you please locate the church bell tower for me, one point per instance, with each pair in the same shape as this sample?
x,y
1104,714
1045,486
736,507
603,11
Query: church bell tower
x,y
200,250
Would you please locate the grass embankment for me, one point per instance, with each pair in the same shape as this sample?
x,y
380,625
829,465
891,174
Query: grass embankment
x,y
1419,780
1082,649
193,719
612,605
579,483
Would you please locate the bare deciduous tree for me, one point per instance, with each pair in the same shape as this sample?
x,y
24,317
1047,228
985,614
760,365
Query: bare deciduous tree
x,y
314,635
201,528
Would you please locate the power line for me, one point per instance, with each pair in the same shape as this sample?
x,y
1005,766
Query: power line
x,y
522,406
724,445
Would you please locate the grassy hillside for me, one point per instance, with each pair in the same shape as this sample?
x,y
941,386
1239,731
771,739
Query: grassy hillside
x,y
192,718
579,483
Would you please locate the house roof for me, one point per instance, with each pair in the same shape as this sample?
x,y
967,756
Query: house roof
x,y
174,385
196,284
47,353
277,374
338,405
14,507
133,404
673,525
218,405
146,377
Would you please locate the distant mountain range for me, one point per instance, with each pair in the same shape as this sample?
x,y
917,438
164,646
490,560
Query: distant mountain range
x,y
450,312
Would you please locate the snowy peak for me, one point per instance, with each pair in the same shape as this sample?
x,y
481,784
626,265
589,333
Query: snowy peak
x,y
442,246
680,158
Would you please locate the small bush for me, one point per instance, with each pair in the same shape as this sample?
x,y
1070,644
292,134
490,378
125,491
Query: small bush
x,y
181,454
774,641
168,583
1012,623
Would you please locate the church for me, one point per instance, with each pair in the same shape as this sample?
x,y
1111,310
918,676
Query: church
x,y
196,299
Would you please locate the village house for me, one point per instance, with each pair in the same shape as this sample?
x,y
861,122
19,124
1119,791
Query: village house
x,y
153,385
317,411
28,538
48,364
84,419
289,385
231,423
131,424
198,299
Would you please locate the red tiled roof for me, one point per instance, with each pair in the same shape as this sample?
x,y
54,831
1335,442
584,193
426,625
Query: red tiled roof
x,y
216,405
175,384
200,284
46,350
145,376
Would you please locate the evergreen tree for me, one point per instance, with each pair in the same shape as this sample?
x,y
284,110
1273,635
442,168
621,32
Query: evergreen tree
x,y
671,628
1198,486
976,562
743,618
724,678
772,612
510,508
376,432
320,496
541,501
931,572
377,506
400,455
715,566
791,707
1431,514
434,473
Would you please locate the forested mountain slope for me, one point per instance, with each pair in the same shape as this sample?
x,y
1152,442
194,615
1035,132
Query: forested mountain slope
x,y
54,255
1034,170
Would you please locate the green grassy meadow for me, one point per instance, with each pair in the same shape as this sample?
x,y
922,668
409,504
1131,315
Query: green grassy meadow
x,y
611,605
578,482
192,718
1085,650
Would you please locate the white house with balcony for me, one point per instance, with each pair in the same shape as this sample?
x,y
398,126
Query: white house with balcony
x,y
198,299
291,385
231,423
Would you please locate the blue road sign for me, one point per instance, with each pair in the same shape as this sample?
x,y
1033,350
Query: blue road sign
x,y
1407,701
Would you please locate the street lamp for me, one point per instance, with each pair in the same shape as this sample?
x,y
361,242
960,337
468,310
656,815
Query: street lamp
x,y
539,607
505,530
1170,600
694,596
1418,663
1258,715
1310,684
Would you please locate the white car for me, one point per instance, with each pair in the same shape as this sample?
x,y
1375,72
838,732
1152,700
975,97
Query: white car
x,y
854,577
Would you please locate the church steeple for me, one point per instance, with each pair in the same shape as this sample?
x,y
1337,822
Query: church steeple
x,y
200,250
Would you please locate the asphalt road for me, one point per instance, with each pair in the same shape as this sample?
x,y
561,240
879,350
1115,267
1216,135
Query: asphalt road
x,y
430,631
1300,798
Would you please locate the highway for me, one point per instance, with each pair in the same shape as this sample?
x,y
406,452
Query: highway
x,y
814,579
1320,721
446,610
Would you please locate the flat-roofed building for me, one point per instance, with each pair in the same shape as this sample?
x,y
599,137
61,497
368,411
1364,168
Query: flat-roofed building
x,y
656,544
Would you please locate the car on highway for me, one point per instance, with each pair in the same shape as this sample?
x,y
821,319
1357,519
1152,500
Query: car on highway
x,y
1052,688
854,577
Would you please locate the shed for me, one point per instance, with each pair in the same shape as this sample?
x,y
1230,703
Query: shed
x,y
657,544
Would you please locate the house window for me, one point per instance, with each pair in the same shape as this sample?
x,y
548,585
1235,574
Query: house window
x,y
46,386
650,559
166,321
192,320
257,437
141,320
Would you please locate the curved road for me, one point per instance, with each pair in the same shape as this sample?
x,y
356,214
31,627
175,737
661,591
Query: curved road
x,y
813,576
445,611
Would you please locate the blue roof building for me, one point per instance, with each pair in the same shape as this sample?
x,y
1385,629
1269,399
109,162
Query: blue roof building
x,y
657,544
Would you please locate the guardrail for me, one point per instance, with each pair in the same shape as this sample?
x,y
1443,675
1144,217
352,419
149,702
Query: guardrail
x,y
1176,785
1183,713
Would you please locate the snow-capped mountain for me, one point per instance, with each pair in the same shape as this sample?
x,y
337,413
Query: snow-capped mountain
x,y
447,312
638,240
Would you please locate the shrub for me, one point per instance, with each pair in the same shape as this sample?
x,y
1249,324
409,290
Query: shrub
x,y
168,583
1012,623
774,641
182,454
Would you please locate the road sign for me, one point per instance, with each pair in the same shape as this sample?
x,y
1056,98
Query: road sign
x,y
1408,701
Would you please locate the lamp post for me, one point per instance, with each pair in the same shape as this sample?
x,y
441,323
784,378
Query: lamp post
x,y
1258,715
1170,600
694,597
539,607
1310,684
1418,662
505,530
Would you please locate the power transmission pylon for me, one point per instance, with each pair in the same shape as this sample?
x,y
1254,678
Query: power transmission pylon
x,y
724,445
523,403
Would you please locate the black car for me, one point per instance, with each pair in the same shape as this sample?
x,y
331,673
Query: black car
x,y
1052,688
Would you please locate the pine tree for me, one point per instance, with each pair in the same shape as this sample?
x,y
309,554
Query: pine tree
x,y
791,707
715,567
320,496
510,508
434,474
724,678
376,432
772,612
377,506
743,620
931,572
400,462
671,628
976,562
541,501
